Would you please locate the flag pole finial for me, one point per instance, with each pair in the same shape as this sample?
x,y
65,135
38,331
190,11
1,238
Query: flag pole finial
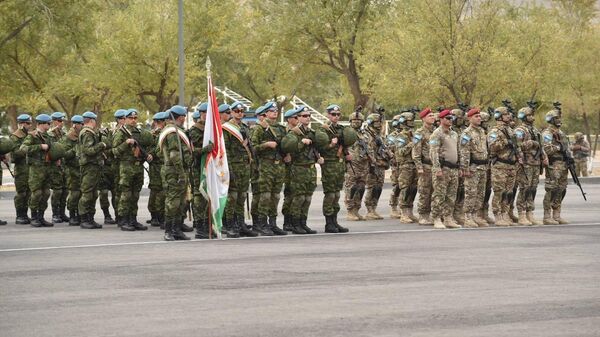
x,y
208,64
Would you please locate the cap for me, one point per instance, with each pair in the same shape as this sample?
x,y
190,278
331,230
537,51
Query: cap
x,y
202,107
290,113
89,114
473,112
178,110
333,107
444,113
77,119
159,116
57,116
260,110
270,106
23,118
130,112
424,113
43,118
120,113
237,105
196,114
224,108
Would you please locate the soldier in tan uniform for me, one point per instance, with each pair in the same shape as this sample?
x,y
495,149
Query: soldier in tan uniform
x,y
581,153
407,172
474,164
444,159
556,146
356,174
459,125
390,141
376,176
485,209
422,160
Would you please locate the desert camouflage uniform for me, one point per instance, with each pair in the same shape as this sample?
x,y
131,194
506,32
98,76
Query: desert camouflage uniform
x,y
422,160
356,177
474,165
444,157
556,173
581,155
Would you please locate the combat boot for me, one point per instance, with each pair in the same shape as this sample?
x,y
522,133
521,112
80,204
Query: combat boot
x,y
177,233
438,224
86,222
396,214
108,220
56,216
548,220
352,215
138,226
469,222
371,214
479,220
532,219
330,225
185,228
169,230
556,216
297,226
3,223
225,227
404,218
307,229
523,221
244,229
511,216
234,231
486,216
287,225
425,219
501,221
22,218
409,212
262,227
273,226
43,221
459,218
154,222
449,222
340,228
74,219
127,225
35,222
201,229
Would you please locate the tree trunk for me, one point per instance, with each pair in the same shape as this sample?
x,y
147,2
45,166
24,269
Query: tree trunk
x,y
354,83
11,116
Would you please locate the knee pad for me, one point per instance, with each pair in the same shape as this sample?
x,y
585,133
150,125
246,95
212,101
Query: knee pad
x,y
361,192
377,192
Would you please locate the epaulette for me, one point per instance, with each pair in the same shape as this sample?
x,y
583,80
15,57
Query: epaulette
x,y
298,131
19,133
72,135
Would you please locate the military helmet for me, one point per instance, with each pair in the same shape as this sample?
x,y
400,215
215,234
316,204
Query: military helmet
x,y
57,151
524,112
321,138
289,143
6,146
357,116
485,117
396,120
406,119
578,135
500,111
349,136
458,113
550,115
372,118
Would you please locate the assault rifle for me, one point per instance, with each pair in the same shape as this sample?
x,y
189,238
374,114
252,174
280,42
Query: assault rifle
x,y
570,165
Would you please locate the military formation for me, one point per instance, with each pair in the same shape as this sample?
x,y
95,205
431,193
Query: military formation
x,y
451,168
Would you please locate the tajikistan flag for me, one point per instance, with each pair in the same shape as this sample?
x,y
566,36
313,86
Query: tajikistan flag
x,y
214,180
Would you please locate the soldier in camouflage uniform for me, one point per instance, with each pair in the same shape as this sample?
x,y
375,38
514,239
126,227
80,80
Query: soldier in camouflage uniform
x,y
260,116
6,146
292,121
391,145
301,142
58,183
37,145
266,140
72,170
407,177
581,153
156,200
110,172
239,159
131,152
528,174
376,175
422,160
335,154
443,152
484,211
21,170
504,153
176,151
90,163
473,155
556,146
356,176
459,125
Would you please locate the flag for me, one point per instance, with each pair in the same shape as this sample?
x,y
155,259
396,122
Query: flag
x,y
214,180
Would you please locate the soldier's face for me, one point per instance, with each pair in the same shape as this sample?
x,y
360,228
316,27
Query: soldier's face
x,y
25,125
334,116
131,120
429,119
292,121
356,123
43,126
77,126
271,114
237,114
475,120
304,118
530,118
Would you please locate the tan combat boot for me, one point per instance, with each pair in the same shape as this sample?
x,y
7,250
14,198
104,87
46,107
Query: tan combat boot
x,y
425,220
371,214
409,212
486,216
438,224
459,218
450,222
352,215
512,218
523,221
395,214
469,222
557,218
404,218
476,216
501,221
534,221
548,218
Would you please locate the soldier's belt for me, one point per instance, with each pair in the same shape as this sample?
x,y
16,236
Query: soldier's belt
x,y
479,161
506,161
426,161
551,160
448,164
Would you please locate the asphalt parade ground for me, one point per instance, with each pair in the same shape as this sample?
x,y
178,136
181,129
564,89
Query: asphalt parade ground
x,y
381,279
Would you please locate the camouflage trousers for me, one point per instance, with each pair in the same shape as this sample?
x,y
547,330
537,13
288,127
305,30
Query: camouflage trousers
x,y
581,167
303,183
375,180
460,198
238,188
73,174
394,197
254,189
270,182
488,190
332,179
23,193
156,200
199,203
503,183
355,184
555,185
444,192
90,176
528,177
425,190
475,189
287,196
58,185
175,185
107,184
39,184
131,179
407,186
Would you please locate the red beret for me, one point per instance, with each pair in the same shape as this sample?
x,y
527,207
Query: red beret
x,y
424,113
472,112
444,113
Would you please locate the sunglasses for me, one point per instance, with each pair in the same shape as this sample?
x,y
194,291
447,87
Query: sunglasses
x,y
450,118
335,113
28,123
132,117
304,116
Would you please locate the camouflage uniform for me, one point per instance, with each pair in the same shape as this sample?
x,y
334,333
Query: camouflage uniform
x,y
332,170
581,153
107,178
556,146
72,171
90,162
474,165
444,157
254,180
422,160
21,171
39,174
407,178
156,200
376,174
459,126
356,177
58,183
394,197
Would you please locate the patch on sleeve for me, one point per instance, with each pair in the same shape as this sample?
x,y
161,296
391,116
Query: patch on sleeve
x,y
492,137
465,139
434,141
401,141
417,138
520,134
547,138
390,139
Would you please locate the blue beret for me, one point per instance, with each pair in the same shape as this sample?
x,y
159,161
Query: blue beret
x,y
129,112
178,110
202,107
57,115
89,114
260,110
290,113
333,107
120,113
270,106
43,118
24,118
224,108
196,114
300,108
77,119
159,116
237,105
